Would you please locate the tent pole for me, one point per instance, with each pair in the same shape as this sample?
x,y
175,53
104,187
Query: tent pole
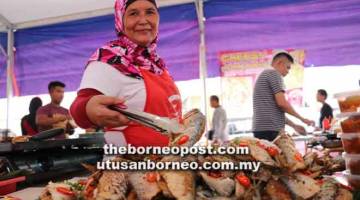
x,y
202,51
10,64
3,51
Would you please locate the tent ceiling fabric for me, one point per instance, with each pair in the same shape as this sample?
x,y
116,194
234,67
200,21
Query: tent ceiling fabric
x,y
30,13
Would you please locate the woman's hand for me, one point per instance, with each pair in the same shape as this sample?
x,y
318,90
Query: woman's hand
x,y
98,112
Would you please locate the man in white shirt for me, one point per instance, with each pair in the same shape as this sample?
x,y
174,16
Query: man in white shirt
x,y
218,121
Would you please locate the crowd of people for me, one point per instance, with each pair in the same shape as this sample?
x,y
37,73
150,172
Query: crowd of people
x,y
128,72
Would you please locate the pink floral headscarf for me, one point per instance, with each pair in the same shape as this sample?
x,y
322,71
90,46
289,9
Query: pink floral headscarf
x,y
125,55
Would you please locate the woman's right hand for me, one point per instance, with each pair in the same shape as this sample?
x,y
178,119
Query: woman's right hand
x,y
98,112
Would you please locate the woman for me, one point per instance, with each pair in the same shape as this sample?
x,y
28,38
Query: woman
x,y
28,122
129,72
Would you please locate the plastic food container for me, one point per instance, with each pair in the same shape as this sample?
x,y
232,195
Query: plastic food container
x,y
349,101
347,114
351,124
354,180
352,163
351,142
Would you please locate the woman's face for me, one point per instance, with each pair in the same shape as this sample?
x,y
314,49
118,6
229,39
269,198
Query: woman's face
x,y
141,21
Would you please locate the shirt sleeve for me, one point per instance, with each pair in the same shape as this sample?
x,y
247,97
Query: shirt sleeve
x,y
275,81
78,107
103,78
98,78
42,111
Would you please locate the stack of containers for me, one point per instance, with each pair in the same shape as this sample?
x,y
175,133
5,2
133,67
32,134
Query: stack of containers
x,y
349,103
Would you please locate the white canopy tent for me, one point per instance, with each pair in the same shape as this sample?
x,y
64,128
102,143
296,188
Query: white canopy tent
x,y
20,14
25,14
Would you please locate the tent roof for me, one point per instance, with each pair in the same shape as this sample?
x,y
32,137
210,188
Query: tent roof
x,y
31,13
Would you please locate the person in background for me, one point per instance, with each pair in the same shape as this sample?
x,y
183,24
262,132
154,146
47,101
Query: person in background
x,y
53,115
270,103
326,111
219,120
28,122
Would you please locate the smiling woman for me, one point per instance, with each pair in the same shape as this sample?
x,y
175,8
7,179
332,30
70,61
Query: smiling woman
x,y
128,71
141,22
